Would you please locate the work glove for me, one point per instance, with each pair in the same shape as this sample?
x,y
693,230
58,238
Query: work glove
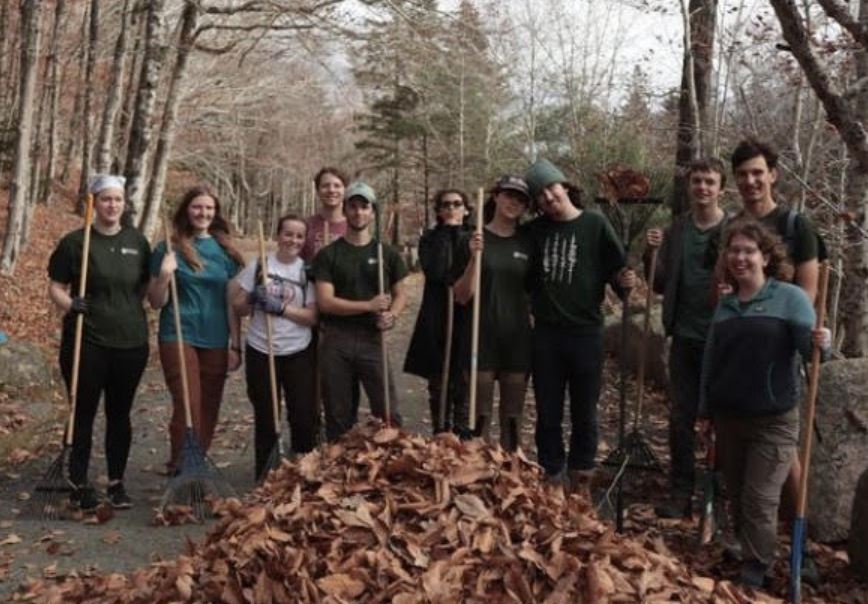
x,y
78,306
270,305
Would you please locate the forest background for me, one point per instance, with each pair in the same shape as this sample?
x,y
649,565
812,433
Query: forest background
x,y
253,96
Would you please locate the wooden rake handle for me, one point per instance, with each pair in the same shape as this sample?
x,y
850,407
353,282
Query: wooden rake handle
x,y
79,321
474,328
179,333
646,328
269,335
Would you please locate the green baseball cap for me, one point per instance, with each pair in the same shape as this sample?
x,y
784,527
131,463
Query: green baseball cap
x,y
540,175
361,189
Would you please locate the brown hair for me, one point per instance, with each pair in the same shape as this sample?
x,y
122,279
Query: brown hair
x,y
750,148
330,170
289,217
438,199
708,164
220,229
769,244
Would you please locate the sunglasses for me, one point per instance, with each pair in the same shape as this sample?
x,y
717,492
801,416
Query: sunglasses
x,y
445,205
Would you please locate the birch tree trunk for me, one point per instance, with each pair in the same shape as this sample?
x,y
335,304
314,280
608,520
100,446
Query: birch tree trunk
x,y
53,102
113,96
141,132
87,117
138,25
71,138
31,11
186,40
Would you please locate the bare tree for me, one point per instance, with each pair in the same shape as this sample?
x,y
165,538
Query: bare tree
x,y
31,11
113,95
847,111
87,111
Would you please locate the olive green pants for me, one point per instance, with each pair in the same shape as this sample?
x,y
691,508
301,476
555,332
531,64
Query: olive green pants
x,y
513,387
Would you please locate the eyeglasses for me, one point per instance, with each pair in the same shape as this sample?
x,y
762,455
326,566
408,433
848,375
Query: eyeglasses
x,y
445,205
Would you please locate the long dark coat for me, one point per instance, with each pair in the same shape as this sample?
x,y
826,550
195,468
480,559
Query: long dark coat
x,y
438,251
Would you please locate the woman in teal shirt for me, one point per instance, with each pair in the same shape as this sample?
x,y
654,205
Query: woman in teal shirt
x,y
205,261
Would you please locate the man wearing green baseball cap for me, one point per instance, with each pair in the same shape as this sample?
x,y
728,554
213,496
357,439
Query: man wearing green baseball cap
x,y
355,312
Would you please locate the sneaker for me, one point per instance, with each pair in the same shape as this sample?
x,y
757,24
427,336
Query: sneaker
x,y
675,507
753,574
117,496
84,498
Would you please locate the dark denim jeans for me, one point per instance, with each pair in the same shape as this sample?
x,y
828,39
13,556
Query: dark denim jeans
x,y
685,369
560,361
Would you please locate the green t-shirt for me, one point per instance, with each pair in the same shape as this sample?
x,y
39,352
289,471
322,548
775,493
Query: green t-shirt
x,y
204,312
694,310
116,280
572,262
504,322
352,270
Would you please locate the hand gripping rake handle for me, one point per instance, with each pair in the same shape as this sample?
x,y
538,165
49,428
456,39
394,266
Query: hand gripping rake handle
x,y
799,525
269,336
79,320
179,334
477,295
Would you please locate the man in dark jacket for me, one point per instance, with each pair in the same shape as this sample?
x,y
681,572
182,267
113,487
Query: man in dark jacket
x,y
684,276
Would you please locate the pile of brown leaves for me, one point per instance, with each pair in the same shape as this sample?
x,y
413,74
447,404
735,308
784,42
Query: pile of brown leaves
x,y
383,516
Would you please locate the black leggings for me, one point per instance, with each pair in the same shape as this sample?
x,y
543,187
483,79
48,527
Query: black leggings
x,y
115,372
296,377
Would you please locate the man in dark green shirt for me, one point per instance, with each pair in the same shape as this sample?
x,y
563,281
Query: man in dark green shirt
x,y
356,313
684,276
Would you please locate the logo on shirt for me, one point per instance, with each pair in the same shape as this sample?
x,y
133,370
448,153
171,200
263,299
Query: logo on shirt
x,y
519,255
372,261
129,251
560,255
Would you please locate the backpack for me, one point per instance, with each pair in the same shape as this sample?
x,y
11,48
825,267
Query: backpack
x,y
301,284
788,236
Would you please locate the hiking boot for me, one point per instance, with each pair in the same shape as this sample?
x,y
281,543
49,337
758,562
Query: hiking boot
x,y
753,574
84,498
677,506
117,496
579,482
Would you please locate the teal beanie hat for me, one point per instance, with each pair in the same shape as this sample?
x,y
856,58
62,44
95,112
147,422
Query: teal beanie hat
x,y
363,190
541,174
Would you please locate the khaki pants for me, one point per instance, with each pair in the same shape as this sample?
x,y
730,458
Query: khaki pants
x,y
755,456
513,387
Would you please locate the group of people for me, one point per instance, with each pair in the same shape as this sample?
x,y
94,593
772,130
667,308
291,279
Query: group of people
x,y
332,288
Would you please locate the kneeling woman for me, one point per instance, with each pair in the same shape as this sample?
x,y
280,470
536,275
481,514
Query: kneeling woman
x,y
750,384
289,297
114,348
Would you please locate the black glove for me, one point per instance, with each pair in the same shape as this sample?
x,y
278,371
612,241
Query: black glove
x,y
258,294
78,306
269,304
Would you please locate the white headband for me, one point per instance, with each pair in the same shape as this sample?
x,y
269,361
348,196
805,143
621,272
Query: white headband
x,y
101,182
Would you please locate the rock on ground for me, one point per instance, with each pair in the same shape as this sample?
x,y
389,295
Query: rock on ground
x,y
23,366
857,550
840,449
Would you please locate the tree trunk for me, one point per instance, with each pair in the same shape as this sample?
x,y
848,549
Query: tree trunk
x,y
854,302
72,134
4,49
135,61
45,187
136,168
87,117
693,104
113,97
30,15
186,40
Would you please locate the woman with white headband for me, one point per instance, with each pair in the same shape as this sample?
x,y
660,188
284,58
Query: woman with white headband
x,y
114,348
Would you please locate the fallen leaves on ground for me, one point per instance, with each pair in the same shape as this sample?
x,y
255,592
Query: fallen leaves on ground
x,y
385,516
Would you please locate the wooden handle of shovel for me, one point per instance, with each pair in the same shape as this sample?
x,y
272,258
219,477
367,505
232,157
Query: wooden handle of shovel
x,y
474,333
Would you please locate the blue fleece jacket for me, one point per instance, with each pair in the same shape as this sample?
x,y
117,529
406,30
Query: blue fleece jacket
x,y
750,366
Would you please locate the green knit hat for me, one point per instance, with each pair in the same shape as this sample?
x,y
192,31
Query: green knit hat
x,y
361,189
541,174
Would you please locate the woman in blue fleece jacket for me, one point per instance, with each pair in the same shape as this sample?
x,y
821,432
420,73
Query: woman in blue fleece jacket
x,y
750,384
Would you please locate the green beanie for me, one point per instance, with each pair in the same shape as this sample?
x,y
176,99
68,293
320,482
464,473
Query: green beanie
x,y
363,190
542,174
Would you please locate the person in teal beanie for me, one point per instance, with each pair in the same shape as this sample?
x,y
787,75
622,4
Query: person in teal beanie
x,y
575,253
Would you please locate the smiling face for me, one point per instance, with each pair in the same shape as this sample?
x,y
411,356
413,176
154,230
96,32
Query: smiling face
x,y
755,180
745,262
705,188
330,190
359,212
290,238
510,205
555,201
108,206
200,213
